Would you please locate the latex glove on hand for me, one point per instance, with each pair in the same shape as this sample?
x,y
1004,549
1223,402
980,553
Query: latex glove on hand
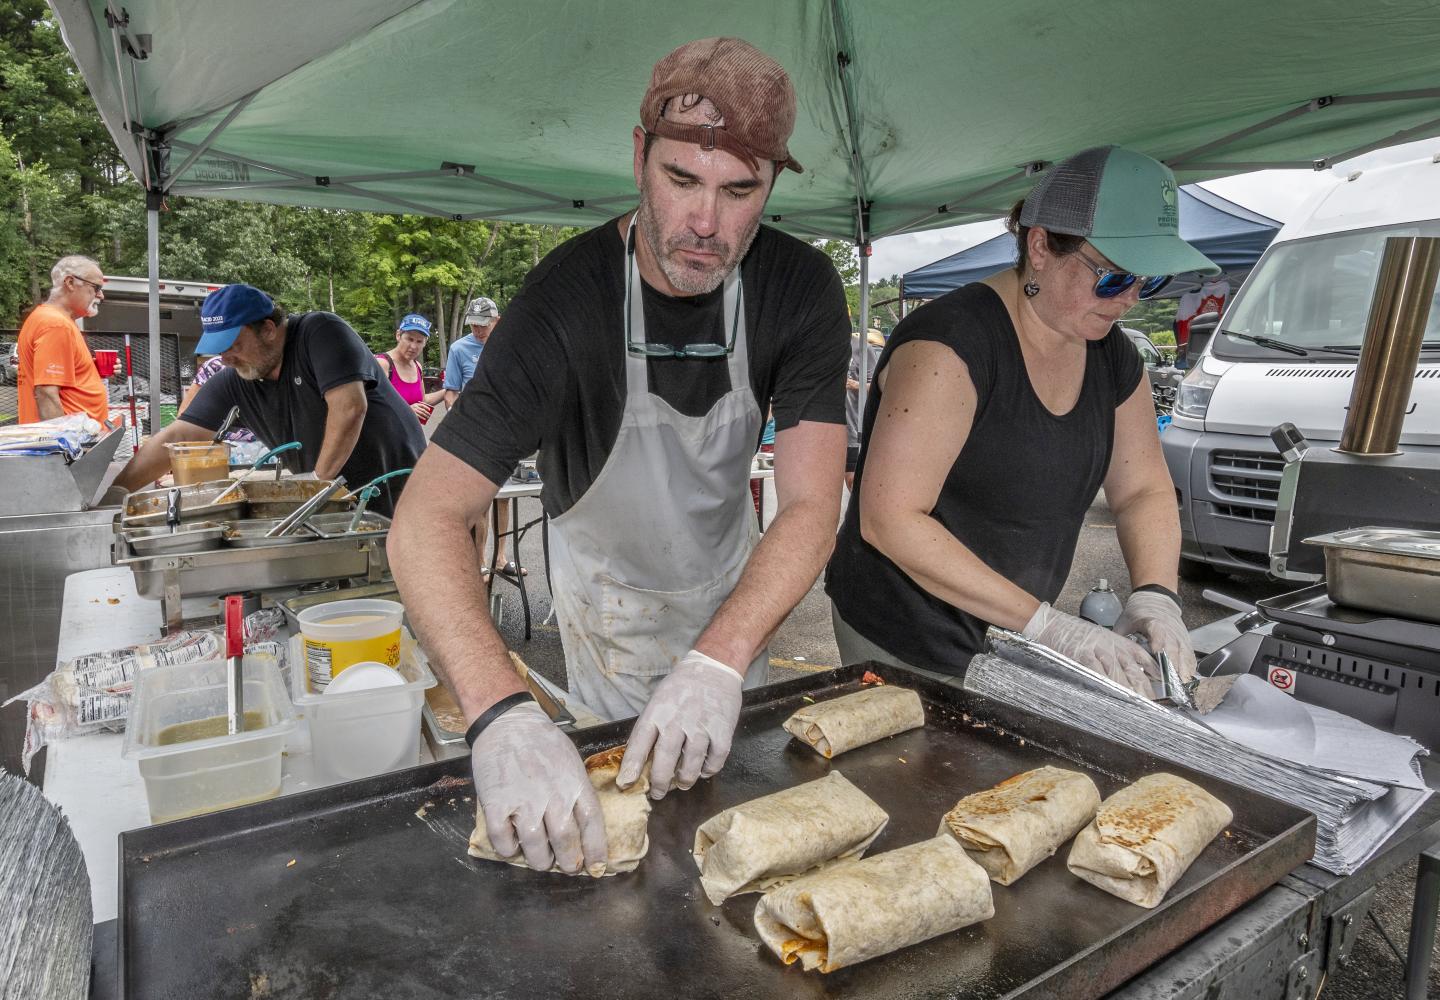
x,y
537,798
1103,651
688,724
1157,618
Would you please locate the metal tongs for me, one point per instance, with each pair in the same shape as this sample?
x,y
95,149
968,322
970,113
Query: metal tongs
x,y
254,466
1173,691
369,492
296,519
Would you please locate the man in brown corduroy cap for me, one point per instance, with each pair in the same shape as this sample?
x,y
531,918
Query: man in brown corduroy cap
x,y
640,358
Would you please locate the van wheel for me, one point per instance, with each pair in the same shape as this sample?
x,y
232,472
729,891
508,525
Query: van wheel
x,y
1195,571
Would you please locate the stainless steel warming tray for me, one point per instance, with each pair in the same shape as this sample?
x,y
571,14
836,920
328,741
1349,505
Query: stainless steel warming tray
x,y
1394,571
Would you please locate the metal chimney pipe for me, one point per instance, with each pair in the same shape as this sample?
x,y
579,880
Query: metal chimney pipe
x,y
1394,330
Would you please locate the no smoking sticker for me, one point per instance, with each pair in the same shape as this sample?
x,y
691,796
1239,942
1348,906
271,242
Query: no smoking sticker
x,y
1282,678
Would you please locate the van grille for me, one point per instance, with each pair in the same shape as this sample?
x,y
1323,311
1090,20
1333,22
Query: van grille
x,y
1251,477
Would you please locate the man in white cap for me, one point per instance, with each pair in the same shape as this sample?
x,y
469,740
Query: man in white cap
x,y
640,358
481,317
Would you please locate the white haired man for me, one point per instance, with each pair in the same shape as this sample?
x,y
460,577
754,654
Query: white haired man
x,y
57,374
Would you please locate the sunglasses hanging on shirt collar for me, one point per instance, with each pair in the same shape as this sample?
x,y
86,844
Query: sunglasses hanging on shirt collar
x,y
650,349
1110,282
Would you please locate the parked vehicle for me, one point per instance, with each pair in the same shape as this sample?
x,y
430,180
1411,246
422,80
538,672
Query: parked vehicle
x,y
1286,350
9,364
1164,377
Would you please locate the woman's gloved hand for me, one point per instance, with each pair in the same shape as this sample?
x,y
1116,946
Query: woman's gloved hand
x,y
1107,653
1157,618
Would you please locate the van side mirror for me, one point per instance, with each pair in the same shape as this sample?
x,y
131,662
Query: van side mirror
x,y
1202,328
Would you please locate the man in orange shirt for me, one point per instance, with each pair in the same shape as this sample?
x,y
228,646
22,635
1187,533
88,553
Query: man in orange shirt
x,y
57,373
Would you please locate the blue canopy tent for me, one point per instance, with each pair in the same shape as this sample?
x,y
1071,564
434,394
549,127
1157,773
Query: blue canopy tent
x,y
1229,234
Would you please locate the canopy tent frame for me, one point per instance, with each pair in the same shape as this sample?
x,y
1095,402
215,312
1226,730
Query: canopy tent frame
x,y
374,26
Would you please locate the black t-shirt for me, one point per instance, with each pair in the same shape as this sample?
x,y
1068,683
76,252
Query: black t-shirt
x,y
1016,495
552,376
321,352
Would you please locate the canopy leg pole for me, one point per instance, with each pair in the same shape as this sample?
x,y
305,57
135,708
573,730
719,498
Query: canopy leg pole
x,y
152,256
864,326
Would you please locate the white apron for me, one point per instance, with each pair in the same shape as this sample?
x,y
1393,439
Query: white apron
x,y
644,559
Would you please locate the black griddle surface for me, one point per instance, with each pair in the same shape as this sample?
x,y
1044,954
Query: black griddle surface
x,y
381,903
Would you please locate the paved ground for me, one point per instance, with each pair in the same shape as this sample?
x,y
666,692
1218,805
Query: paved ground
x,y
806,643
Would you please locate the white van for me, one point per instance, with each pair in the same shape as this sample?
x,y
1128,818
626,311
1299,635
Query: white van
x,y
1286,350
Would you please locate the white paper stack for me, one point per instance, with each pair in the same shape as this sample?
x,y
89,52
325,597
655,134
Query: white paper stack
x,y
1360,782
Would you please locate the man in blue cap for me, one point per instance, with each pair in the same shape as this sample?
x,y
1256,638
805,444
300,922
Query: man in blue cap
x,y
308,378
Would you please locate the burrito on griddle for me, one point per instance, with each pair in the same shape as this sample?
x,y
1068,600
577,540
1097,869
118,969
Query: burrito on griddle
x,y
1014,826
853,720
1146,835
858,910
627,819
760,843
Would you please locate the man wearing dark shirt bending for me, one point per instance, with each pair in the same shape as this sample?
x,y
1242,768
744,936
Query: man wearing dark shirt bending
x,y
306,377
640,358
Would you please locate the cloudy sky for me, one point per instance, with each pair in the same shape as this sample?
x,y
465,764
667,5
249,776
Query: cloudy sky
x,y
1276,193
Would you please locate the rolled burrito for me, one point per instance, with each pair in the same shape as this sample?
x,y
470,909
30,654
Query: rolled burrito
x,y
1146,835
763,842
860,909
851,721
627,820
1014,826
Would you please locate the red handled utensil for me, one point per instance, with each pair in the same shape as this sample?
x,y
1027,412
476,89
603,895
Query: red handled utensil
x,y
235,663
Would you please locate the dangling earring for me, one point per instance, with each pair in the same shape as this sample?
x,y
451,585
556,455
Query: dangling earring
x,y
1031,288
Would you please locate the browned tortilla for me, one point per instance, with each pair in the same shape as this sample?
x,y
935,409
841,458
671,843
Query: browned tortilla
x,y
627,819
1014,826
1146,835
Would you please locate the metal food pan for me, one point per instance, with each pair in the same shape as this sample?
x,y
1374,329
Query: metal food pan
x,y
251,534
192,536
332,876
148,507
228,570
277,498
331,525
1394,571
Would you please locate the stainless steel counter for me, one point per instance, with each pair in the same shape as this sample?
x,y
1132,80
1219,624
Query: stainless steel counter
x,y
37,553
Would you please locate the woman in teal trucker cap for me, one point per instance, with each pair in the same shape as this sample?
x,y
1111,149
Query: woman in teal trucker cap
x,y
997,413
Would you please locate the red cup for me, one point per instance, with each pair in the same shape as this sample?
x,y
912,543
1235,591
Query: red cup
x,y
105,362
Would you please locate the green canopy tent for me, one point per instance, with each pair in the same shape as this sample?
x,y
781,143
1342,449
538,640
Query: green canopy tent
x,y
911,116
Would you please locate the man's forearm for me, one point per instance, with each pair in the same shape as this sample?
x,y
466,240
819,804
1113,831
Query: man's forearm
x,y
1148,529
433,559
342,430
153,459
47,402
780,573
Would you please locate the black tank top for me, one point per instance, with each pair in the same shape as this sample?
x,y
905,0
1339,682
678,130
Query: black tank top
x,y
1016,495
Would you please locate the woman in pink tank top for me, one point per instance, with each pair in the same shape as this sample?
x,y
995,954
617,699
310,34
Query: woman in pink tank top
x,y
402,364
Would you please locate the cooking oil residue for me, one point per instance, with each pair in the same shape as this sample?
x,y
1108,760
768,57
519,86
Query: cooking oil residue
x,y
204,729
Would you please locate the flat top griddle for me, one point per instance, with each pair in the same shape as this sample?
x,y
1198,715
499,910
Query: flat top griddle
x,y
380,902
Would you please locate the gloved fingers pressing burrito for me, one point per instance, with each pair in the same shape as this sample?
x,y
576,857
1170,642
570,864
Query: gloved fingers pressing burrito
x,y
535,793
1157,617
687,726
1105,652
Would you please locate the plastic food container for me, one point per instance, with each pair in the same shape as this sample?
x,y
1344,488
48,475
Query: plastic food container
x,y
217,772
196,462
340,634
357,734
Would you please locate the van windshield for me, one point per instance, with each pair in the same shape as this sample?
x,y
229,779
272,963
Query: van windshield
x,y
1316,293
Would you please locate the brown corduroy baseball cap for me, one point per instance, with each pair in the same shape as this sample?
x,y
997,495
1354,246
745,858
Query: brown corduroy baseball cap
x,y
751,91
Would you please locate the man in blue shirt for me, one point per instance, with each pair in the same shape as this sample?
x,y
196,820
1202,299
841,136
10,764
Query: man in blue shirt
x,y
481,317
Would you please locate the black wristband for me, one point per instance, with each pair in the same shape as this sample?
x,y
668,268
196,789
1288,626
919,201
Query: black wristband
x,y
1155,588
494,712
